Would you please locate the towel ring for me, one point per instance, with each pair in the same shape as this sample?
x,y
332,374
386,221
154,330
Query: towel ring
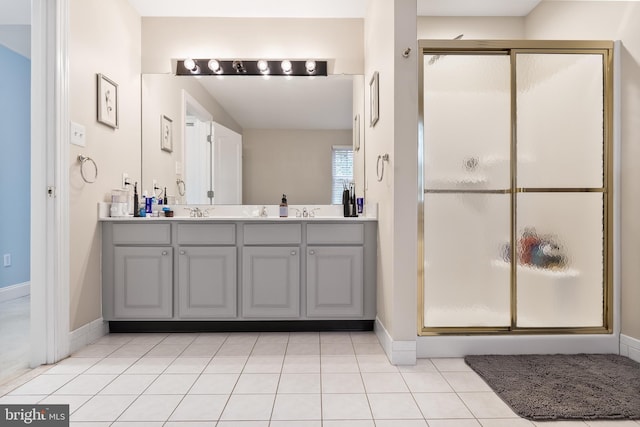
x,y
380,171
84,159
182,187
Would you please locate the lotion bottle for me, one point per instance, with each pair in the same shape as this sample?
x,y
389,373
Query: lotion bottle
x,y
284,207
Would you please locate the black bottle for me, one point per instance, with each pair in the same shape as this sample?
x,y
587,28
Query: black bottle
x,y
346,201
164,201
136,208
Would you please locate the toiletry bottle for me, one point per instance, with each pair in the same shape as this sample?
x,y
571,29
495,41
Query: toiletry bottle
x,y
284,208
148,203
136,202
346,210
165,201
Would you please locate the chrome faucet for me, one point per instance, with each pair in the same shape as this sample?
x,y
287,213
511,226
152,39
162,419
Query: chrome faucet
x,y
263,212
197,212
305,212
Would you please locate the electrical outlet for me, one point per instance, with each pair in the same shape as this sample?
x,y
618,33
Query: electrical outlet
x,y
7,260
125,179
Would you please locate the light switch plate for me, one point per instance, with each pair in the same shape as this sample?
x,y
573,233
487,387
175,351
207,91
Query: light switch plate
x,y
77,134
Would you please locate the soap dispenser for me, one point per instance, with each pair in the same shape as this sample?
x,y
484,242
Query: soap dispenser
x,y
284,207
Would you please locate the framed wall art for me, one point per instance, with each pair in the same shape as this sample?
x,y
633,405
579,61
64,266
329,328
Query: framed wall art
x,y
166,133
374,98
107,101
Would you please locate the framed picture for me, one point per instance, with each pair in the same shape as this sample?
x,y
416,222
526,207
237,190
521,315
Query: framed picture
x,y
356,133
166,133
374,105
107,101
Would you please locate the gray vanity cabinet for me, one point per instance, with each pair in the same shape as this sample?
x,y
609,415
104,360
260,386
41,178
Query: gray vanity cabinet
x,y
206,271
142,286
271,271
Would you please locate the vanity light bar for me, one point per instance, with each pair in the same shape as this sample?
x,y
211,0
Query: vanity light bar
x,y
201,67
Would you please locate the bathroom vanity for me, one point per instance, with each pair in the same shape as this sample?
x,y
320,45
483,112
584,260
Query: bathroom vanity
x,y
238,274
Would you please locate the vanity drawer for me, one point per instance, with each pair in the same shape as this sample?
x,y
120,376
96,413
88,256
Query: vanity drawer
x,y
320,234
265,234
206,234
133,234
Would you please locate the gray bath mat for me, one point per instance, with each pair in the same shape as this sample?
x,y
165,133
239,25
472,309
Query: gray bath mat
x,y
564,387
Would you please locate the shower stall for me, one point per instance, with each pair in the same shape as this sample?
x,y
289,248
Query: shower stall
x,y
515,209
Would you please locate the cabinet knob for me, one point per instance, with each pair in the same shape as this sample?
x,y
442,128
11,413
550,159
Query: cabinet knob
x,y
182,252
312,252
293,252
165,253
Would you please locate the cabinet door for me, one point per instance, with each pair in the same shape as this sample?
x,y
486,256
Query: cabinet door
x,y
207,282
334,281
270,282
142,285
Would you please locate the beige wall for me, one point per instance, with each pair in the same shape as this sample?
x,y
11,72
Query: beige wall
x,y
338,40
104,38
482,28
610,21
294,162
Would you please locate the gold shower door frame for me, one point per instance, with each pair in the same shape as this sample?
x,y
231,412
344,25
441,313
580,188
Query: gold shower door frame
x,y
512,48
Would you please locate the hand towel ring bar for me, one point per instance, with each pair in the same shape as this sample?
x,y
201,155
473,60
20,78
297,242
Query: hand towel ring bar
x,y
380,171
182,188
84,159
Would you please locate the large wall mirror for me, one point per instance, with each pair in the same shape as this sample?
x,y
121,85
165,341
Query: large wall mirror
x,y
248,139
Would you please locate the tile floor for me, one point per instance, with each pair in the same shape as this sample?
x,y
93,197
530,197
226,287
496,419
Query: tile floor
x,y
333,379
14,342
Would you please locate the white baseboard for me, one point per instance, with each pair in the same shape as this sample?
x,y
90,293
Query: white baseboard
x,y
398,352
630,347
87,334
15,291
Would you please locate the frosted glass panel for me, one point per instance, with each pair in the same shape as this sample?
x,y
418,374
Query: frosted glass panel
x,y
560,120
466,121
560,259
466,280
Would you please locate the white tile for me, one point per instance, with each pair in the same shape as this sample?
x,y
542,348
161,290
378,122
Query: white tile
x,y
303,349
336,349
180,338
297,407
129,384
200,407
73,365
257,384
86,384
448,364
339,364
393,406
441,405
263,364
465,381
137,424
74,402
214,384
151,408
379,382
21,399
273,337
506,422
559,424
486,405
375,363
102,408
242,338
422,365
43,384
349,423
210,338
226,365
401,423
200,350
299,383
242,424
301,364
148,338
166,350
342,383
96,350
150,365
269,349
248,407
111,366
453,423
132,350
304,338
278,423
335,337
172,384
345,407
368,348
426,382
190,424
364,337
231,349
89,424
188,365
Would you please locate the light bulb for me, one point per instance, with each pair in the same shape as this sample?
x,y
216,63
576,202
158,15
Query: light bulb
x,y
214,66
310,65
286,66
190,64
263,66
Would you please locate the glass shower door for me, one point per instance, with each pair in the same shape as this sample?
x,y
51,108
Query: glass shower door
x,y
467,196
